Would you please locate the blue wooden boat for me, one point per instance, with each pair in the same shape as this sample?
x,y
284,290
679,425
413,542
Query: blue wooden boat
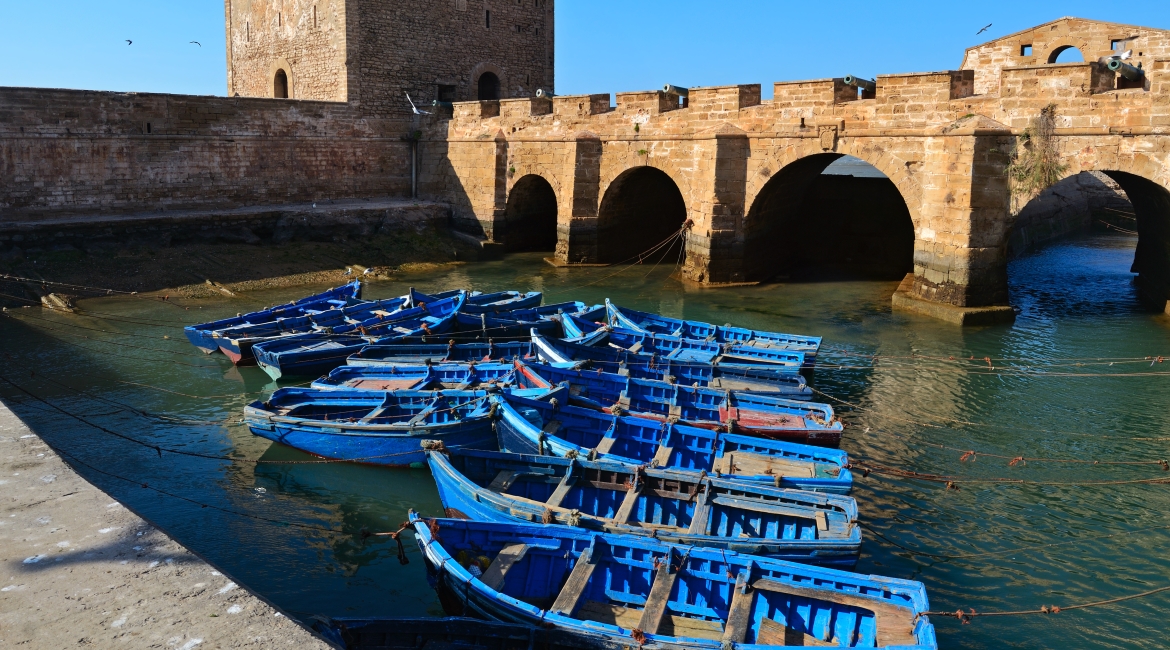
x,y
682,349
201,335
646,322
749,414
503,327
526,426
684,507
377,427
237,342
462,376
755,379
317,354
620,591
411,354
502,302
416,298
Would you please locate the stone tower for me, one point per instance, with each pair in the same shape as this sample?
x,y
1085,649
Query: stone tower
x,y
370,53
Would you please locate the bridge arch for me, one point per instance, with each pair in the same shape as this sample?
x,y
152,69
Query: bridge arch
x,y
640,209
803,222
1146,184
530,215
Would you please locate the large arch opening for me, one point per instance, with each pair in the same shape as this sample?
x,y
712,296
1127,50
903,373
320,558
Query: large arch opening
x,y
1121,214
489,87
641,209
829,216
530,217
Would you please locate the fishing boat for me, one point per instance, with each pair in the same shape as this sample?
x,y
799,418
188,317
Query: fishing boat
x,y
411,354
377,427
462,376
646,322
756,379
502,302
749,414
317,353
201,335
684,507
503,327
237,342
682,349
526,426
621,591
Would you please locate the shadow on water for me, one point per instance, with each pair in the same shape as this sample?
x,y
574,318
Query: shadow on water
x,y
915,393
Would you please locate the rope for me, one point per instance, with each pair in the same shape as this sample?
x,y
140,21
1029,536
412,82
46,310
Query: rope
x,y
966,617
639,257
952,482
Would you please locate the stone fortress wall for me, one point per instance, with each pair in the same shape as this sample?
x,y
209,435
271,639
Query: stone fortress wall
x,y
738,167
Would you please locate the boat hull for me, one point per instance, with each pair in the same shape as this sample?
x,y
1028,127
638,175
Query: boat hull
x,y
387,449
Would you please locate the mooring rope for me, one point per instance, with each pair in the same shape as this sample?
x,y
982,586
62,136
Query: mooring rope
x,y
966,616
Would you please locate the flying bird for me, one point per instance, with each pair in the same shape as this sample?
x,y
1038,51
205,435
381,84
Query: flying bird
x,y
1121,56
415,108
984,29
129,42
197,43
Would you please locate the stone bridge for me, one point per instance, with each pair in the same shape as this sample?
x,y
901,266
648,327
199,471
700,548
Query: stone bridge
x,y
609,181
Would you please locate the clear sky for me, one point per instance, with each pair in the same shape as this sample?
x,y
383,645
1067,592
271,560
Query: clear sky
x,y
602,45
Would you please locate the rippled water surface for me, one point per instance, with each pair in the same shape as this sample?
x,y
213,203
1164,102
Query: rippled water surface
x,y
1069,380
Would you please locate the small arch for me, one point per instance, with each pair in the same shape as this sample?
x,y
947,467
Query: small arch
x,y
488,87
282,80
280,85
1066,54
829,215
530,217
641,208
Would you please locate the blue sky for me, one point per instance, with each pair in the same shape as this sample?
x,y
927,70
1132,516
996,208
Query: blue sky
x,y
602,45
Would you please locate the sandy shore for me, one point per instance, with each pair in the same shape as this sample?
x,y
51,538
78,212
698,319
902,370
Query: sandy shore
x,y
77,569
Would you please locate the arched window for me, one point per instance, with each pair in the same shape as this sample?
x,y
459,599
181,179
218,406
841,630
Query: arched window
x,y
280,85
1066,54
489,87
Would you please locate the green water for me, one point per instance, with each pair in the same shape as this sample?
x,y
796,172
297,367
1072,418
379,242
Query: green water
x,y
1044,394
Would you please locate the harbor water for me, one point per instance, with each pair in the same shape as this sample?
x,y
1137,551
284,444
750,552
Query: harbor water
x,y
1079,377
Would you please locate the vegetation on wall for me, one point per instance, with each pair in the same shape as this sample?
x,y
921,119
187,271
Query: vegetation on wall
x,y
1035,162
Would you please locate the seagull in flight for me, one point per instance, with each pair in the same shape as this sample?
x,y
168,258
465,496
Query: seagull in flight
x,y
984,29
415,108
1121,56
129,42
197,43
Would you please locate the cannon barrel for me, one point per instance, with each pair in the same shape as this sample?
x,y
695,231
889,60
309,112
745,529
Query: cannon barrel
x,y
678,91
544,94
858,82
441,104
1126,70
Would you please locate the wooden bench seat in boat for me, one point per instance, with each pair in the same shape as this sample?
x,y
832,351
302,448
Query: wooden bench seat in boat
x,y
894,623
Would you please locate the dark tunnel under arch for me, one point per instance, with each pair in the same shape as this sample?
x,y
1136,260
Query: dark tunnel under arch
x,y
641,208
808,225
530,216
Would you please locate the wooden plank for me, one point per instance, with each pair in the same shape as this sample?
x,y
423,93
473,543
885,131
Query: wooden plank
x,y
503,481
895,623
760,464
498,570
699,523
662,456
627,507
628,618
655,608
822,521
605,445
739,616
575,586
562,490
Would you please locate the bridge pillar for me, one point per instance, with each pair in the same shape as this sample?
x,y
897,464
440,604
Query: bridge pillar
x,y
960,252
577,213
714,243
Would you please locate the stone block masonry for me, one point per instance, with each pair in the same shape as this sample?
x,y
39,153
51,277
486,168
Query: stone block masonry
x,y
68,152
